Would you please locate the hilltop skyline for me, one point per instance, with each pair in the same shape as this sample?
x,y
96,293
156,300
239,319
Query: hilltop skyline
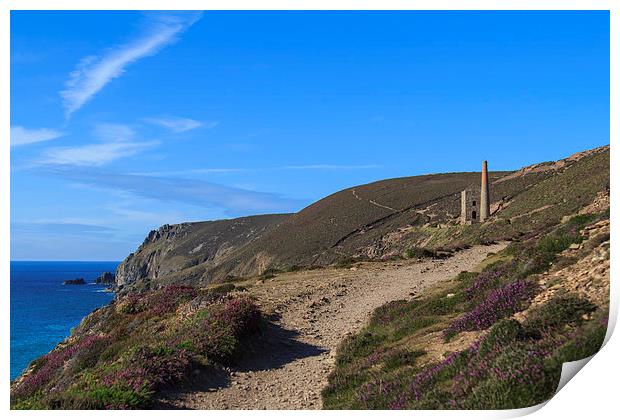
x,y
124,121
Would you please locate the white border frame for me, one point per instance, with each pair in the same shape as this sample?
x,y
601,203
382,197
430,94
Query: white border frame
x,y
592,395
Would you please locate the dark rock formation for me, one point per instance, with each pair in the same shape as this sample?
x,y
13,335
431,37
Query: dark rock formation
x,y
105,278
75,281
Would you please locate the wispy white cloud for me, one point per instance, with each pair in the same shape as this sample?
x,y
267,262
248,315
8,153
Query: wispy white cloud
x,y
179,125
116,141
139,215
130,208
233,201
316,167
94,154
119,133
94,72
21,135
199,171
59,227
328,167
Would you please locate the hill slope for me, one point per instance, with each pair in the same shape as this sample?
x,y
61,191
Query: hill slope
x,y
492,338
377,220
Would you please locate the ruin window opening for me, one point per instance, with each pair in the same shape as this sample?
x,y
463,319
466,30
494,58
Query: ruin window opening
x,y
473,215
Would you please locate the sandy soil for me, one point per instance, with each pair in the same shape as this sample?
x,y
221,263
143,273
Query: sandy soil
x,y
312,311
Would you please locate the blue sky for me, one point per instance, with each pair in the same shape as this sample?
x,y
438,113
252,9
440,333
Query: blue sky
x,y
124,121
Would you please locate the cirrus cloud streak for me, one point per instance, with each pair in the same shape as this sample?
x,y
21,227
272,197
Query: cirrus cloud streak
x,y
179,125
93,154
94,72
22,135
234,201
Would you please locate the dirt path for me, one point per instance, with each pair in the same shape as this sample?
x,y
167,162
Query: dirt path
x,y
374,203
314,311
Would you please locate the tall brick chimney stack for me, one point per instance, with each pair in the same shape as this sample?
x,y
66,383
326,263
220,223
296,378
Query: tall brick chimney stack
x,y
485,209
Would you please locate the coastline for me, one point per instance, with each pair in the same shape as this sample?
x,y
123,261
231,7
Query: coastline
x,y
44,311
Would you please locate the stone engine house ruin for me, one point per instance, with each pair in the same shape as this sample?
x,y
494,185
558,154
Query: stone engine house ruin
x,y
475,204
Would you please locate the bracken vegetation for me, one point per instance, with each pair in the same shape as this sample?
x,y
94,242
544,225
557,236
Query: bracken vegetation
x,y
503,363
145,343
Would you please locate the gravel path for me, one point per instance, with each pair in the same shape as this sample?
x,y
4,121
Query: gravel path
x,y
312,312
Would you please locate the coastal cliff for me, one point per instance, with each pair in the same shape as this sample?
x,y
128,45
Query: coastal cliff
x,y
184,249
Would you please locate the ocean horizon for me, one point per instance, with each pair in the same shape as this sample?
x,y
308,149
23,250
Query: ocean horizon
x,y
43,310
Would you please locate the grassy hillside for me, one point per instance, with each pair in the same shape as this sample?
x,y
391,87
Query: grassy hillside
x,y
122,355
541,204
493,339
374,221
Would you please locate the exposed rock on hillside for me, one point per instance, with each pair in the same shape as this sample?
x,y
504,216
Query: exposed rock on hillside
x,y
183,248
589,275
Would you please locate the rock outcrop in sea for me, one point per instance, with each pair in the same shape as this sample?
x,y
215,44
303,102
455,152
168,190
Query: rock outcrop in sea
x,y
106,278
79,281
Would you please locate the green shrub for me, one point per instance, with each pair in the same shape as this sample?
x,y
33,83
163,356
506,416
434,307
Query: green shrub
x,y
585,343
466,277
99,397
558,312
419,253
518,378
341,391
408,326
535,261
391,311
358,346
439,305
222,289
580,221
554,244
32,402
501,334
402,358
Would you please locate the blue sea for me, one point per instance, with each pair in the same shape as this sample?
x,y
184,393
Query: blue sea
x,y
43,310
